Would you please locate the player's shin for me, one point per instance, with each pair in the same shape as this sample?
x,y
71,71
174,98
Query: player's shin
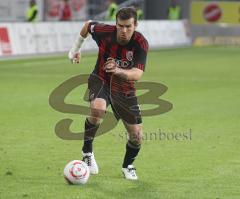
x,y
90,132
132,150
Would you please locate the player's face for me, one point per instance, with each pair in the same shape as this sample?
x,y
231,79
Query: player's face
x,y
125,30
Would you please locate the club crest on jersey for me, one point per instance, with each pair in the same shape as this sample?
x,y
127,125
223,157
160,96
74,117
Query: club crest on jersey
x,y
129,55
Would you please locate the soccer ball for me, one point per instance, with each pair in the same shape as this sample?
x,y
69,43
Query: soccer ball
x,y
76,172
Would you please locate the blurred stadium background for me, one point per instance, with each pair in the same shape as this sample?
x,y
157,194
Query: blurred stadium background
x,y
200,23
195,56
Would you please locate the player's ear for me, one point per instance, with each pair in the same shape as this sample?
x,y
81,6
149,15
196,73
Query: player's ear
x,y
136,24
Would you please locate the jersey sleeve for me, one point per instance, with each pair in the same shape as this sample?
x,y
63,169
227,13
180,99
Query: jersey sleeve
x,y
99,30
141,55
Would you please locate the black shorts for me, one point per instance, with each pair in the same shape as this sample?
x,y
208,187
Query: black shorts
x,y
124,106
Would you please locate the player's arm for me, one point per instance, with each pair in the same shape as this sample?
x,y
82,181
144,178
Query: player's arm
x,y
133,74
75,52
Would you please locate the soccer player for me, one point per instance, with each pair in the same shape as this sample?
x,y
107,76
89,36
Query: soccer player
x,y
121,61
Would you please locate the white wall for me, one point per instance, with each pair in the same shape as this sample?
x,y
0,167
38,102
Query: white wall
x,y
54,37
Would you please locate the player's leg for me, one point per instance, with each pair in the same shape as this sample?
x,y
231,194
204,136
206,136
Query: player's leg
x,y
98,105
126,107
98,108
132,149
97,111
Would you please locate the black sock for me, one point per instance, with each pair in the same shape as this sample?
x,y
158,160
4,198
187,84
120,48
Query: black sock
x,y
131,153
89,134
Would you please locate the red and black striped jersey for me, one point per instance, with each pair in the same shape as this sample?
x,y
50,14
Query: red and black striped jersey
x,y
133,54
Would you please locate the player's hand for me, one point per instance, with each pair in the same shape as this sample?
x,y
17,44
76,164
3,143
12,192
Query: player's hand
x,y
74,57
111,66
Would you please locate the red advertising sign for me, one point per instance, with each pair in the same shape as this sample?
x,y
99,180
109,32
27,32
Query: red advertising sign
x,y
212,12
5,44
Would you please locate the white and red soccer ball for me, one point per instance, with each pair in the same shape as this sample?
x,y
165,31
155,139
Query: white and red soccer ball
x,y
76,172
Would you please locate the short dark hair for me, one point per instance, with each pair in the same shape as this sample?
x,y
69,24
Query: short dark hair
x,y
127,13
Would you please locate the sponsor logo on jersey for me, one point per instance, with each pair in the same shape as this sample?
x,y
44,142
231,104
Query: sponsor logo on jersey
x,y
123,63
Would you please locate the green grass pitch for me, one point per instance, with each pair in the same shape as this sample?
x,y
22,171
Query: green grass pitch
x,y
204,88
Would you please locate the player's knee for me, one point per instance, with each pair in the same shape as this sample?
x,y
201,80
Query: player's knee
x,y
133,144
98,113
94,120
136,138
98,109
96,116
98,105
